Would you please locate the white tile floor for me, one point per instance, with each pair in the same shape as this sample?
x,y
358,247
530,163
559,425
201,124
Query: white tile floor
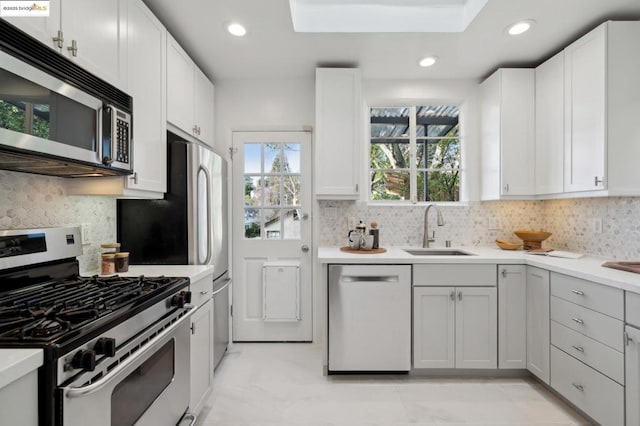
x,y
282,384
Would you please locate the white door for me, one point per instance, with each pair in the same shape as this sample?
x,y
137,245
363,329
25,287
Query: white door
x,y
272,296
632,377
434,316
476,327
538,339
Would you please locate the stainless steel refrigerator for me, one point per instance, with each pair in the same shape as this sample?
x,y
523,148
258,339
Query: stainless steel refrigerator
x,y
188,226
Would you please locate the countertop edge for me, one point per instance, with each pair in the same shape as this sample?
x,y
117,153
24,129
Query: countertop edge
x,y
17,363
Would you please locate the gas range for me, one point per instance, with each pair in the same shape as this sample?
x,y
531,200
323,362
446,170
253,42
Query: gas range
x,y
96,332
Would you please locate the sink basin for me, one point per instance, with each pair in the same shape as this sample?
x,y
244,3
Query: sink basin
x,y
437,252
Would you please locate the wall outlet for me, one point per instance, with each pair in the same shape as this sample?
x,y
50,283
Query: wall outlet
x,y
596,225
85,234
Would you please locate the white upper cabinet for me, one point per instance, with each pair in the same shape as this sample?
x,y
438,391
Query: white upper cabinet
x,y
602,130
507,134
338,133
549,118
189,95
91,33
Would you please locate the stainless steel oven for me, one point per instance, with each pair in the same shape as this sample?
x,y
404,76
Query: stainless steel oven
x,y
145,383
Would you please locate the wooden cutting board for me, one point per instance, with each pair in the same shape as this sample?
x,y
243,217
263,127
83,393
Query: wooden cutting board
x,y
624,266
356,251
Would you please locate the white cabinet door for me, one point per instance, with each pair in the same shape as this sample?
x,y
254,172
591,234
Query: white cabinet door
x,y
98,29
512,316
507,133
632,375
434,327
476,327
585,114
203,107
538,339
180,87
147,85
549,119
338,133
43,29
201,356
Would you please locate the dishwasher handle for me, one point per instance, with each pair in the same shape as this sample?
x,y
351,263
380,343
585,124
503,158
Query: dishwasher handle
x,y
369,278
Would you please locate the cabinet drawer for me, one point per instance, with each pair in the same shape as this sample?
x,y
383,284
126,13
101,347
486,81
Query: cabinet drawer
x,y
598,396
607,300
632,310
201,290
593,324
455,275
601,357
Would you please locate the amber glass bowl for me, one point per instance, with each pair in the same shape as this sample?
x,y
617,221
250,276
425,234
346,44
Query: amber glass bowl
x,y
532,239
507,245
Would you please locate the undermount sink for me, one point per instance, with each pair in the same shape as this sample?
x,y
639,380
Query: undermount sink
x,y
437,252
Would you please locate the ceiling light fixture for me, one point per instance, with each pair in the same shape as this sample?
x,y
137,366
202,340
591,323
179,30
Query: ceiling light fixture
x,y
428,61
520,27
236,29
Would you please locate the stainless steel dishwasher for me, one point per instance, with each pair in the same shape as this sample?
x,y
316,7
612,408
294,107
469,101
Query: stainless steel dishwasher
x,y
369,318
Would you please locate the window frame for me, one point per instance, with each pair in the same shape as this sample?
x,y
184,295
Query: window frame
x,y
413,138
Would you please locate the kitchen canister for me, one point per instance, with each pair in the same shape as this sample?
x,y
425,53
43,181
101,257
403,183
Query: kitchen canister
x,y
122,261
108,264
109,248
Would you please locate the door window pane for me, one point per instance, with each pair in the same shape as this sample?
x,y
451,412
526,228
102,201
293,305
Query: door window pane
x,y
251,223
291,155
252,191
272,224
272,157
252,157
292,224
271,191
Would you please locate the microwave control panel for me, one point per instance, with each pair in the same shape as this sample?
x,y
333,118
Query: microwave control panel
x,y
122,136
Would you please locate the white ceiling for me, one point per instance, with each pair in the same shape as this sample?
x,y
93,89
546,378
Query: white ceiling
x,y
271,48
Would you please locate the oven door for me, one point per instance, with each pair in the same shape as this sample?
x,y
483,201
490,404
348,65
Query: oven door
x,y
147,386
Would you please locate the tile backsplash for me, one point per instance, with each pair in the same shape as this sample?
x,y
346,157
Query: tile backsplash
x,y
606,227
33,201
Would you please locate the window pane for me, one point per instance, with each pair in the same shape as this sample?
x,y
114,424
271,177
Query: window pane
x,y
439,154
272,157
252,191
292,224
447,111
291,190
251,223
381,130
437,130
272,224
393,155
389,112
291,158
439,186
252,158
390,185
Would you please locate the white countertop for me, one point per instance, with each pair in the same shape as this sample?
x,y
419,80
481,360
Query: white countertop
x,y
16,363
588,268
193,272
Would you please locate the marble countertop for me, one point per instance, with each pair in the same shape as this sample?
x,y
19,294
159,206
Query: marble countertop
x,y
193,272
588,268
16,363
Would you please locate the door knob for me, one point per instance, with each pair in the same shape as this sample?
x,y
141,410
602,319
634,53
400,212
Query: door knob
x,y
305,248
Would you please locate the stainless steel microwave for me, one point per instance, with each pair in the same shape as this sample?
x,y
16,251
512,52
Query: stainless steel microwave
x,y
56,118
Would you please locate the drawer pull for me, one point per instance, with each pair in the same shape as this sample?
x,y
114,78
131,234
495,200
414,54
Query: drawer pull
x,y
578,320
578,348
203,292
627,339
579,387
578,292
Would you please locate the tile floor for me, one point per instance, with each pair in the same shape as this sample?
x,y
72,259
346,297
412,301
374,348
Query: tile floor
x,y
282,384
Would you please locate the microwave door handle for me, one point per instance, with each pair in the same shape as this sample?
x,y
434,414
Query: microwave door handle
x,y
107,123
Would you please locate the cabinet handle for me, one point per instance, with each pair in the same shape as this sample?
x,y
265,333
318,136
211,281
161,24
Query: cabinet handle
x,y
357,188
453,295
579,387
194,130
597,181
578,292
73,48
459,295
578,320
506,188
59,39
504,273
134,177
203,292
627,338
193,328
578,348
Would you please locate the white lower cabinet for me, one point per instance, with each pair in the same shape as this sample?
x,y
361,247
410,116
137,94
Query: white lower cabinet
x,y
632,375
201,356
538,339
455,327
512,316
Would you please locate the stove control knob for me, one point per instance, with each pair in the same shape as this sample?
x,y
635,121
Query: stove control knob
x,y
84,359
178,301
187,296
105,346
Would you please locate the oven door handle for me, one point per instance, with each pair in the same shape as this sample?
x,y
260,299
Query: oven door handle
x,y
152,346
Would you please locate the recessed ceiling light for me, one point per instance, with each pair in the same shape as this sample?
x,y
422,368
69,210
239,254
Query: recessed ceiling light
x,y
520,27
236,29
428,61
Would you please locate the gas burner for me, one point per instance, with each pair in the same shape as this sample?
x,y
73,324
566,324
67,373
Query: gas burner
x,y
47,328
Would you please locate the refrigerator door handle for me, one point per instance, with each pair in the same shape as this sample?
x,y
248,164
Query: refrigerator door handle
x,y
226,284
207,190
